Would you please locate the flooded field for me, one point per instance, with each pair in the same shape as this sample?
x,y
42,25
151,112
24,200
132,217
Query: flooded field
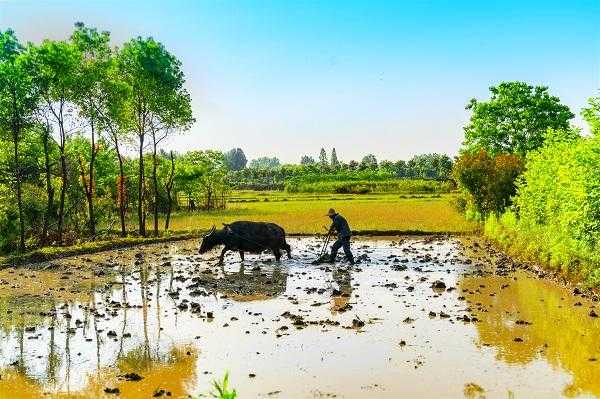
x,y
415,318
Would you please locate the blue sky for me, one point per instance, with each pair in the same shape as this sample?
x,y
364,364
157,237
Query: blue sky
x,y
390,78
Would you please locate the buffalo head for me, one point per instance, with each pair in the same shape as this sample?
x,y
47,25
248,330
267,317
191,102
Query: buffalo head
x,y
209,241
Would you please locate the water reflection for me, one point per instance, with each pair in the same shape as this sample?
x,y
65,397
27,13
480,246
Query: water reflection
x,y
527,319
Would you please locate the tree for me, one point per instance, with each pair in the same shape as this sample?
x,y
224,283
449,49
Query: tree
x,y
54,67
236,159
265,163
157,100
488,181
113,121
96,59
323,159
307,160
335,164
18,102
169,189
202,175
368,162
592,115
515,119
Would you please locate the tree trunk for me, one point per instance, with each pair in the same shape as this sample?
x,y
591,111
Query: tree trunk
x,y
155,183
121,192
18,187
169,188
141,218
63,175
90,189
63,189
49,188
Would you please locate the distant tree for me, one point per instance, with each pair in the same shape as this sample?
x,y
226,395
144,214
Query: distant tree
x,y
323,163
591,115
368,162
400,168
387,167
515,119
307,160
335,164
353,165
236,159
265,163
430,166
202,175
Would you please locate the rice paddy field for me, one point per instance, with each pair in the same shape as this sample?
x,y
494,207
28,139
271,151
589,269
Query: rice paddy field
x,y
305,213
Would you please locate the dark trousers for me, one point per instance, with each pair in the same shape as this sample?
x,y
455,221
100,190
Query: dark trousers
x,y
342,242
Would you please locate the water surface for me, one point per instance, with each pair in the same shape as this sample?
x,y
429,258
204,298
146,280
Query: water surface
x,y
87,326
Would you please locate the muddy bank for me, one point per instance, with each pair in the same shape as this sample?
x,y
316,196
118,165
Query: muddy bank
x,y
416,317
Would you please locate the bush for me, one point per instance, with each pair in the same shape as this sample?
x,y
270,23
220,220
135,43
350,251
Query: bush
x,y
369,186
555,218
488,183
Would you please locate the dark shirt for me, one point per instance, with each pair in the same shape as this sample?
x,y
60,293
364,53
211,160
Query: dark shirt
x,y
341,226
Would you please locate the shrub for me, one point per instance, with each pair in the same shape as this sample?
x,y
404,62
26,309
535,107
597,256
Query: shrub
x,y
488,183
555,218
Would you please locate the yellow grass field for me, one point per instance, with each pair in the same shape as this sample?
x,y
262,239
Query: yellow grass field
x,y
306,214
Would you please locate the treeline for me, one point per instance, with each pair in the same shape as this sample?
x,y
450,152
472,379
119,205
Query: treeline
x,y
533,178
267,173
68,111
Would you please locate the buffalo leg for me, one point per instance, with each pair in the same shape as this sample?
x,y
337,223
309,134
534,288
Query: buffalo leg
x,y
242,255
277,254
287,248
222,255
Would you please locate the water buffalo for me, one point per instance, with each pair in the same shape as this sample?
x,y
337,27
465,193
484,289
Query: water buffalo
x,y
254,237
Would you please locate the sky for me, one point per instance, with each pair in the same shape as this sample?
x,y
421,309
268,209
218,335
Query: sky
x,y
285,78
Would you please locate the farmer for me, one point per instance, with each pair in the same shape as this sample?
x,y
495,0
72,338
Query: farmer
x,y
340,225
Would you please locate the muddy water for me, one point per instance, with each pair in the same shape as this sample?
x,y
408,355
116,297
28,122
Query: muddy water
x,y
88,326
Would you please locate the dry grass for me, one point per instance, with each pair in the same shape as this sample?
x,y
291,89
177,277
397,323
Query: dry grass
x,y
390,213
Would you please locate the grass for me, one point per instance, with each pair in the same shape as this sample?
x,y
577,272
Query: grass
x,y
221,389
305,213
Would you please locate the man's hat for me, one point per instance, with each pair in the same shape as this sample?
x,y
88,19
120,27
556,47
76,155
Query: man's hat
x,y
331,212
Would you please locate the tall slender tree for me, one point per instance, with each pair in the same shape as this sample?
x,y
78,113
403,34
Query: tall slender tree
x,y
335,164
323,159
157,100
96,58
18,102
55,66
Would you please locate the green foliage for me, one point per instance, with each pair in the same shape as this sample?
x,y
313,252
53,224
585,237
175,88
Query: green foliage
x,y
236,159
368,162
221,390
9,227
265,163
307,160
591,115
323,163
556,213
368,186
515,119
335,164
202,175
488,182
